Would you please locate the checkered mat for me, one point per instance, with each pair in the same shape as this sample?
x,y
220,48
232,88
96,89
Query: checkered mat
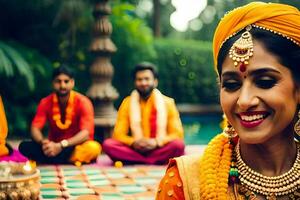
x,y
92,182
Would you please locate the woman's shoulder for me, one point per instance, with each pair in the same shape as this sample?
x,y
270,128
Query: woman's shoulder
x,y
181,178
171,185
188,161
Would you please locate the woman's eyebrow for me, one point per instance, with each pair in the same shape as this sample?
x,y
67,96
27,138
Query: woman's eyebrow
x,y
262,71
230,74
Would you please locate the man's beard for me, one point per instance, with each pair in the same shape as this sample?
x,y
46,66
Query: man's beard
x,y
145,93
62,94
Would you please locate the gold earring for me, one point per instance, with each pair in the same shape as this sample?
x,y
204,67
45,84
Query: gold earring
x,y
242,50
297,125
229,131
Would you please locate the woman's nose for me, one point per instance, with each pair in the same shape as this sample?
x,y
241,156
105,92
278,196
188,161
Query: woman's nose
x,y
247,99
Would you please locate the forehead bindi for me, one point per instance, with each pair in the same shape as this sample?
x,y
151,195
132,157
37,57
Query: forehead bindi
x,y
261,58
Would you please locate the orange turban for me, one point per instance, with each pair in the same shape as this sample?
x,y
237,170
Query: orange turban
x,y
281,18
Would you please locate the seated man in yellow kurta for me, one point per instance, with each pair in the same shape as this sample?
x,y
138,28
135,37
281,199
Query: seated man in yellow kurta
x,y
148,128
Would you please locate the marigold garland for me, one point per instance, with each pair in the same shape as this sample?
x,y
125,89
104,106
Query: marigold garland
x,y
214,168
69,112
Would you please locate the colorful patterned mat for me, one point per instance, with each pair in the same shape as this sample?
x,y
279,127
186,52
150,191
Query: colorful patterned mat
x,y
93,182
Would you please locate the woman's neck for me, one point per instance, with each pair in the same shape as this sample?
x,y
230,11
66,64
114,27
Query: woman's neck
x,y
272,158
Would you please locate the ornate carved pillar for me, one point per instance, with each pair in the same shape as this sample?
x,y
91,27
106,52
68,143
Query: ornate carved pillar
x,y
101,91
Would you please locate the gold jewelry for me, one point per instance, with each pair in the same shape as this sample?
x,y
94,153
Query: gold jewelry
x,y
242,50
278,33
271,187
262,28
229,131
297,125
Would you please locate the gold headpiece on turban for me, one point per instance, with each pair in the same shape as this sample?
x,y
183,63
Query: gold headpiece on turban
x,y
278,18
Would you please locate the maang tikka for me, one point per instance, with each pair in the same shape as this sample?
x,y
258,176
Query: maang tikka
x,y
242,50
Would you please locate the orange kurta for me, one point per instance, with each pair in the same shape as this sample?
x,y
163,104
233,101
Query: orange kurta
x,y
181,181
83,118
3,130
170,186
122,127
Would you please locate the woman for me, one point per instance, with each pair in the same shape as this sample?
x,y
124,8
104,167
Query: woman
x,y
256,52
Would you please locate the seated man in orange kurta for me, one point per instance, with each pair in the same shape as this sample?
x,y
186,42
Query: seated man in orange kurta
x,y
70,116
148,128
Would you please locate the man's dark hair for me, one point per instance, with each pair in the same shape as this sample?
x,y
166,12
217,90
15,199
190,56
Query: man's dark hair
x,y
145,66
63,69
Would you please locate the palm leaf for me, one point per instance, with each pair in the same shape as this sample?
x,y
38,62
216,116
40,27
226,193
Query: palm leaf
x,y
5,64
10,59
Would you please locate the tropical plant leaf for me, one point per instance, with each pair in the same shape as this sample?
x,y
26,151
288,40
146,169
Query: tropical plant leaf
x,y
11,55
5,64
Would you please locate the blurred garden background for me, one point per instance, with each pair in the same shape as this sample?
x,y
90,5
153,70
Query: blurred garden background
x,y
38,35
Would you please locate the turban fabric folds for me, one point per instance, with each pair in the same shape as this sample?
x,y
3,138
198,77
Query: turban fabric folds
x,y
280,18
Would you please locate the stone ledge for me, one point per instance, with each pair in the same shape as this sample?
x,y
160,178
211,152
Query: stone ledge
x,y
196,109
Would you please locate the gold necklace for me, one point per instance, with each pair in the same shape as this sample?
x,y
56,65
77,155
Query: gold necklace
x,y
271,187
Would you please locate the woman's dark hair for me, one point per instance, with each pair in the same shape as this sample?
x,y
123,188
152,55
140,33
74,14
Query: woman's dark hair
x,y
63,69
287,52
145,66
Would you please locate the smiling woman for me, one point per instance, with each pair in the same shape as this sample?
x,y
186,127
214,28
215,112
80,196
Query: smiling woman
x,y
256,54
261,101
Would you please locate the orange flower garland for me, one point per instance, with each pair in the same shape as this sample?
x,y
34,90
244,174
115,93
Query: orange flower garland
x,y
214,169
69,112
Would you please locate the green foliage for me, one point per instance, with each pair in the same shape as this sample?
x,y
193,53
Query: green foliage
x,y
186,70
62,31
135,43
11,61
19,101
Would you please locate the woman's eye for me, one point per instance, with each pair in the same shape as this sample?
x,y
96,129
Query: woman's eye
x,y
231,85
265,83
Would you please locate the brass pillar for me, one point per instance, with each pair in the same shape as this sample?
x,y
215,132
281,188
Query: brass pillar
x,y
101,91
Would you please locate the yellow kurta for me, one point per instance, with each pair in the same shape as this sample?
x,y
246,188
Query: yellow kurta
x,y
122,127
3,130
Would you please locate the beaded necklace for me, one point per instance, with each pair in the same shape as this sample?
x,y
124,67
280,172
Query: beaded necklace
x,y
69,112
252,183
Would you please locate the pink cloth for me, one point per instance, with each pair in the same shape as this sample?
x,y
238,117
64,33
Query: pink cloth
x,y
16,156
118,151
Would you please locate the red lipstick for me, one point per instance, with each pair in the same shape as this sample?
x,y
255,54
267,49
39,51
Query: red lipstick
x,y
254,122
